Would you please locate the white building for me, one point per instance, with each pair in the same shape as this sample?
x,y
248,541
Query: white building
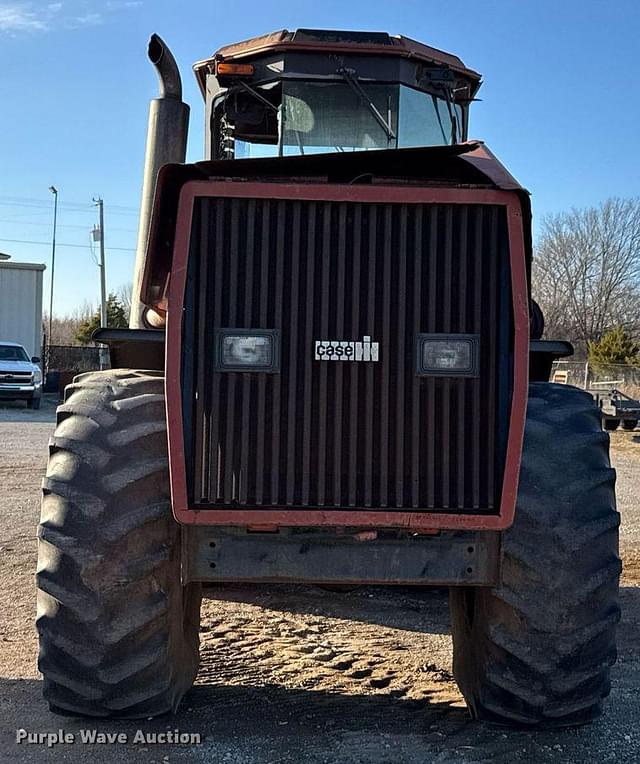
x,y
21,304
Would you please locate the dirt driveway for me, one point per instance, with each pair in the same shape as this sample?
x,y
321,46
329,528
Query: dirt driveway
x,y
293,674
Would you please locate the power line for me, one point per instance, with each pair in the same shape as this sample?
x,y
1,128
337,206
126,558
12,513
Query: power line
x,y
63,244
38,204
60,225
41,200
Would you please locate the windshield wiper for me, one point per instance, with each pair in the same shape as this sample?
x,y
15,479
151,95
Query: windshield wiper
x,y
349,77
436,107
443,82
452,115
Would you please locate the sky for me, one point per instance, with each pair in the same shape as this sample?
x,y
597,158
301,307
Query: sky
x,y
559,104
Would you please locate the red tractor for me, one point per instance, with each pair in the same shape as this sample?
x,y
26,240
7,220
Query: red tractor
x,y
334,374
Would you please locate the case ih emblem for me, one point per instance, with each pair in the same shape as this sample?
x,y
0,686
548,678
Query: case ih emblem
x,y
341,350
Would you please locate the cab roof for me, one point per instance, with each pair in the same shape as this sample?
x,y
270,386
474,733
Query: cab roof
x,y
335,41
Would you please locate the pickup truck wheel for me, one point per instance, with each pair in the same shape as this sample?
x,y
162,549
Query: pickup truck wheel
x,y
34,403
118,630
537,648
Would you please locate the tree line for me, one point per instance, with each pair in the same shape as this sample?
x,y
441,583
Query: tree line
x,y
586,279
76,328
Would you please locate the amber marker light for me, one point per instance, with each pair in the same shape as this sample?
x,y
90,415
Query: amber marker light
x,y
234,70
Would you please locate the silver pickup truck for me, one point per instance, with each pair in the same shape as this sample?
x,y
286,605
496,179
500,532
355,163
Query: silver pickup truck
x,y
20,376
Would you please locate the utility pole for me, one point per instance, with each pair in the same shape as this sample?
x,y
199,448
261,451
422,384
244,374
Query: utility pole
x,y
103,279
54,191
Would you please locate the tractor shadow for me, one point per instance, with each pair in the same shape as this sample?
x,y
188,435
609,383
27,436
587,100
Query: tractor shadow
x,y
276,706
261,720
411,608
248,724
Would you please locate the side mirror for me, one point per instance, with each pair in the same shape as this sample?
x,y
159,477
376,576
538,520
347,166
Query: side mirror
x,y
35,359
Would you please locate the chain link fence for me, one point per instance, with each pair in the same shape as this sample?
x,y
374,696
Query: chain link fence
x,y
63,362
72,358
598,377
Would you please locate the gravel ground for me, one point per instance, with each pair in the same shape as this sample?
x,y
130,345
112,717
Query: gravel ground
x,y
625,455
293,673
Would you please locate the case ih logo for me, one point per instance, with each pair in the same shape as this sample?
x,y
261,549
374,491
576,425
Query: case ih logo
x,y
340,350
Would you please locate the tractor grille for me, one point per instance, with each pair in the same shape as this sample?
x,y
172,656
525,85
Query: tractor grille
x,y
338,434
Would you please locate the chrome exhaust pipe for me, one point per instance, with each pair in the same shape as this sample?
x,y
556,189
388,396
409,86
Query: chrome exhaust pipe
x,y
167,131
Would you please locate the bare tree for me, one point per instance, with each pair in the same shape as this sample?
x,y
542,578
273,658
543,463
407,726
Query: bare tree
x,y
124,294
586,271
64,328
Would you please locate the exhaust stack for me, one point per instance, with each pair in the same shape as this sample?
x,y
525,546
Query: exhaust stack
x,y
166,142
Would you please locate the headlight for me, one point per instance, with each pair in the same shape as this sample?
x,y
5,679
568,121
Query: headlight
x,y
454,355
246,350
37,377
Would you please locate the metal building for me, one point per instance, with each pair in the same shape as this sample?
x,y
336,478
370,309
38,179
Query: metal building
x,y
21,304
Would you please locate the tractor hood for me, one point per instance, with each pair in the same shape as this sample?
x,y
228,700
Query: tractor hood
x,y
462,165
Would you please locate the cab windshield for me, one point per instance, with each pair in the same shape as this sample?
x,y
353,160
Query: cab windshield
x,y
325,117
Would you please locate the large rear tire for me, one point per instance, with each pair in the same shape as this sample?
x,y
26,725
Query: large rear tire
x,y
537,649
118,631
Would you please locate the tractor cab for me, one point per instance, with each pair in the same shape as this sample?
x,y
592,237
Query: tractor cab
x,y
315,91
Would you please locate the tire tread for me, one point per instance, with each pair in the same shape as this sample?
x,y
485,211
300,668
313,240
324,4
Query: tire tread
x,y
537,649
114,638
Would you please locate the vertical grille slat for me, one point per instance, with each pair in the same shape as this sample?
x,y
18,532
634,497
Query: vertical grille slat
x,y
491,367
336,434
201,430
338,370
355,368
416,432
294,303
261,434
323,371
401,354
385,407
369,399
248,321
276,379
462,415
216,213
230,473
307,362
445,400
477,327
432,310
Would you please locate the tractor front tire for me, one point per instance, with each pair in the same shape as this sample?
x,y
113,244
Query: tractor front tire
x,y
118,630
536,650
